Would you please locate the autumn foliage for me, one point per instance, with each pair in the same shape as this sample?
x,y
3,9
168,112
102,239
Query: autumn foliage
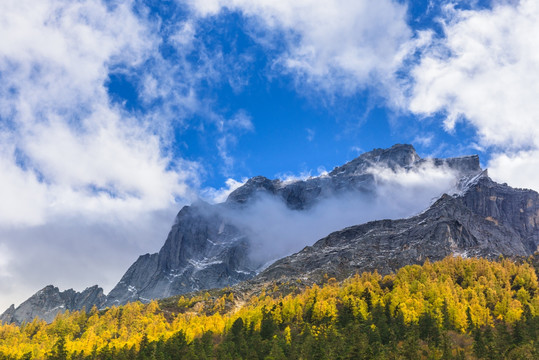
x,y
455,308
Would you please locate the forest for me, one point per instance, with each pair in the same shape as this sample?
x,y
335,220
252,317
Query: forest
x,y
452,309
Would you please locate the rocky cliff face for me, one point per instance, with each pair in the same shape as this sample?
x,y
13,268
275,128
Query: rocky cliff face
x,y
517,210
50,301
486,219
202,251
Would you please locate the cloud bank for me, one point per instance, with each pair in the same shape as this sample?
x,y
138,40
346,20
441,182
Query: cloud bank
x,y
64,143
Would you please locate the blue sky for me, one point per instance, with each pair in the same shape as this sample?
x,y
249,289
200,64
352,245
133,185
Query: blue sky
x,y
114,114
297,126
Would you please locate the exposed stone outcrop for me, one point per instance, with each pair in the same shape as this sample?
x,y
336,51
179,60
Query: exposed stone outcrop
x,y
49,301
202,251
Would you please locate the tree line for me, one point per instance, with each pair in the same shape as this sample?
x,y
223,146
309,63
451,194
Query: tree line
x,y
452,309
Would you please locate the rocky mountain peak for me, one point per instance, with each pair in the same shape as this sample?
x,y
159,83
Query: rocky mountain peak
x,y
50,301
253,186
204,249
397,156
357,175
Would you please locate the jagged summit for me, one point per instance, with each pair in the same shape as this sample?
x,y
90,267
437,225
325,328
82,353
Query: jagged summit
x,y
204,249
50,301
399,155
355,175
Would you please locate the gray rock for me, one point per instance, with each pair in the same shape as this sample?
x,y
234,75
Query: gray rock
x,y
50,301
355,175
202,251
504,206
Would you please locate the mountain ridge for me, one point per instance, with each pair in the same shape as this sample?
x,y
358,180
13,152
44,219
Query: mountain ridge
x,y
454,225
205,250
203,243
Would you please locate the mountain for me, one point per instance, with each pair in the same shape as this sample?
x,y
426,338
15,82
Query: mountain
x,y
486,219
202,251
50,301
206,248
356,175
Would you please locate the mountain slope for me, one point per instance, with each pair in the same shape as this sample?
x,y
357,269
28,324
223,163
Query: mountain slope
x,y
486,220
201,251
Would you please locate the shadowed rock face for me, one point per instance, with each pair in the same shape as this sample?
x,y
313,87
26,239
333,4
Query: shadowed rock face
x,y
202,251
503,206
49,301
487,220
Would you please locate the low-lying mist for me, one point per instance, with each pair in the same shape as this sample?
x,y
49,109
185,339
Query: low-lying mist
x,y
276,231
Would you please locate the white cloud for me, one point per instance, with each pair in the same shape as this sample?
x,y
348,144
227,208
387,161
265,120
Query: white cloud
x,y
520,169
84,185
76,150
184,37
55,53
485,71
108,158
336,45
216,196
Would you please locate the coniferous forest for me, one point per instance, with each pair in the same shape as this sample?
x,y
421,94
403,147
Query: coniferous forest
x,y
453,309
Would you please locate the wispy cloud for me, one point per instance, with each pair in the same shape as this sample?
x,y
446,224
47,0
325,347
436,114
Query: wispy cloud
x,y
424,140
335,46
229,130
310,134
